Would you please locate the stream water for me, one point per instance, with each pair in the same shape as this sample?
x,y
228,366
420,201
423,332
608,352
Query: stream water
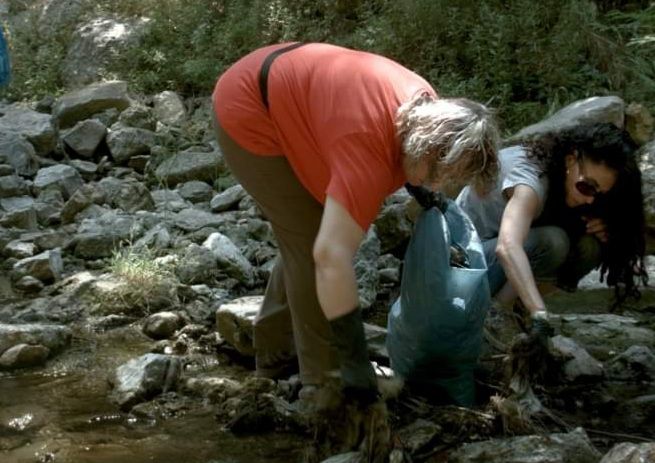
x,y
62,413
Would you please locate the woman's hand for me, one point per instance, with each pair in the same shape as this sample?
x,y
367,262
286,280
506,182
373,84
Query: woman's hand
x,y
596,227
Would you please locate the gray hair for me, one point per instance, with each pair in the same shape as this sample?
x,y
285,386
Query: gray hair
x,y
456,135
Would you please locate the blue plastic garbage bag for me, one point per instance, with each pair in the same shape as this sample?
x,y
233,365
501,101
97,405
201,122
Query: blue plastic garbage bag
x,y
435,327
5,67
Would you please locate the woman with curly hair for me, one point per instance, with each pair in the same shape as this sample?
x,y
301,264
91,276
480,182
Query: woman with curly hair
x,y
565,203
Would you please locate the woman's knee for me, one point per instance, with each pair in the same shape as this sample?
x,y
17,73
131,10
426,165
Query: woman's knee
x,y
547,249
588,250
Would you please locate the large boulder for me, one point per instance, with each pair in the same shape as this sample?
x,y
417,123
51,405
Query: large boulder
x,y
62,177
191,165
54,337
95,44
81,104
143,378
594,109
18,153
33,126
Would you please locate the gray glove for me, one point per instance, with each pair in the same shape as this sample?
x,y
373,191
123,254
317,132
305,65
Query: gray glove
x,y
533,345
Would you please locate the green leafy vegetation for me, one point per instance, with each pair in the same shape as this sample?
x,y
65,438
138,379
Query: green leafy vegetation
x,y
525,58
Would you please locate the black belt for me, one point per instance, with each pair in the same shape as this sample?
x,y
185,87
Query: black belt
x,y
266,66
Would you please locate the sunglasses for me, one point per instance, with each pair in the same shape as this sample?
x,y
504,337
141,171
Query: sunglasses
x,y
584,186
587,189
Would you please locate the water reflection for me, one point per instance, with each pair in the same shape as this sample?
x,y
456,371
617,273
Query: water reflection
x,y
61,413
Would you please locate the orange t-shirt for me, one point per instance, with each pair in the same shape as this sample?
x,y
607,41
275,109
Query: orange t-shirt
x,y
331,114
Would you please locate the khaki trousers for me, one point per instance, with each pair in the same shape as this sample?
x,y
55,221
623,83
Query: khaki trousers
x,y
290,317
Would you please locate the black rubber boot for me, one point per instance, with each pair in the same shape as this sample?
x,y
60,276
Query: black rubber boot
x,y
357,374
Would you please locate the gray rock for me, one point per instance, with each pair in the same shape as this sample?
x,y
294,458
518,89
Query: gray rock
x,y
80,200
628,452
162,325
158,237
139,162
229,258
19,249
85,137
216,389
418,435
19,153
57,15
234,322
65,178
636,412
228,199
576,362
603,335
366,269
594,109
350,457
393,226
192,220
54,337
29,284
83,103
191,165
88,170
197,265
99,237
573,447
389,275
126,142
25,219
169,108
143,378
138,116
110,186
134,196
47,266
169,200
51,239
12,185
33,126
637,363
49,205
196,191
95,45
23,356
16,203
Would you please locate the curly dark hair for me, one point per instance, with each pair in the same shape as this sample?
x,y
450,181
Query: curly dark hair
x,y
622,208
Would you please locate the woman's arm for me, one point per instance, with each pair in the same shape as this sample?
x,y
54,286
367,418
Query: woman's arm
x,y
519,213
338,239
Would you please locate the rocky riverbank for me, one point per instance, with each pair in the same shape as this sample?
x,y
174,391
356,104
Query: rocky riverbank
x,y
131,270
